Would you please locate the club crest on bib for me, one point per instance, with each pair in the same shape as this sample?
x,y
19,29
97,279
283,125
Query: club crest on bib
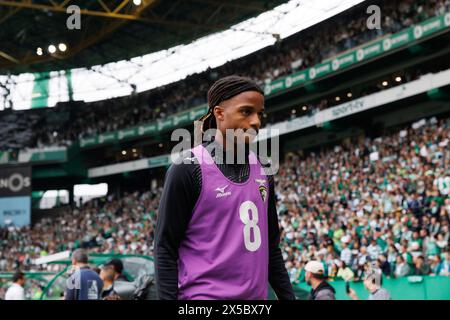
x,y
262,188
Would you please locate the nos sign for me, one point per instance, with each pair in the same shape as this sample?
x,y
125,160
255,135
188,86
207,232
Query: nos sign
x,y
15,181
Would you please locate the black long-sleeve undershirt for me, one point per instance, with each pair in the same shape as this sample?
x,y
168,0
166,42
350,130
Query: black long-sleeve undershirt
x,y
181,191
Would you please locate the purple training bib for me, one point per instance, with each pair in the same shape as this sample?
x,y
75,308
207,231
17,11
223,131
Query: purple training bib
x,y
225,254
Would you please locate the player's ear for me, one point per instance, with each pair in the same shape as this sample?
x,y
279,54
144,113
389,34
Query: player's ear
x,y
218,113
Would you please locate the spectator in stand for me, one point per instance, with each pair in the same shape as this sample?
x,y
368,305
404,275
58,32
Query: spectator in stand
x,y
315,277
444,268
107,275
384,265
16,290
373,284
345,272
402,268
117,266
421,267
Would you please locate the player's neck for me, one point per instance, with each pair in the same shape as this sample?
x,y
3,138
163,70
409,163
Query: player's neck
x,y
225,146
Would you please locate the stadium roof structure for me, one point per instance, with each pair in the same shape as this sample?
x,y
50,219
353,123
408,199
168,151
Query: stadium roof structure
x,y
134,74
111,30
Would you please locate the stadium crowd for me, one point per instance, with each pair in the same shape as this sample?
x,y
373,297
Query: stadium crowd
x,y
300,51
103,225
384,201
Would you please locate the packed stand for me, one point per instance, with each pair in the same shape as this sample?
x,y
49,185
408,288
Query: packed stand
x,y
383,201
104,225
298,52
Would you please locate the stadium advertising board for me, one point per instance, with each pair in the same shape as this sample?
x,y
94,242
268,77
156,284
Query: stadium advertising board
x,y
15,181
15,196
424,84
15,211
53,154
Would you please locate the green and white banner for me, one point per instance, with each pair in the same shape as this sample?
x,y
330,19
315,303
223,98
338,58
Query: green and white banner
x,y
40,94
50,154
368,51
129,166
159,161
4,157
424,84
171,122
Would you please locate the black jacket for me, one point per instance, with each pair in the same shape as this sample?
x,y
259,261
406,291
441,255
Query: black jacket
x,y
324,291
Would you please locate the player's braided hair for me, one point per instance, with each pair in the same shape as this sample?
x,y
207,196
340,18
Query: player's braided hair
x,y
224,89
